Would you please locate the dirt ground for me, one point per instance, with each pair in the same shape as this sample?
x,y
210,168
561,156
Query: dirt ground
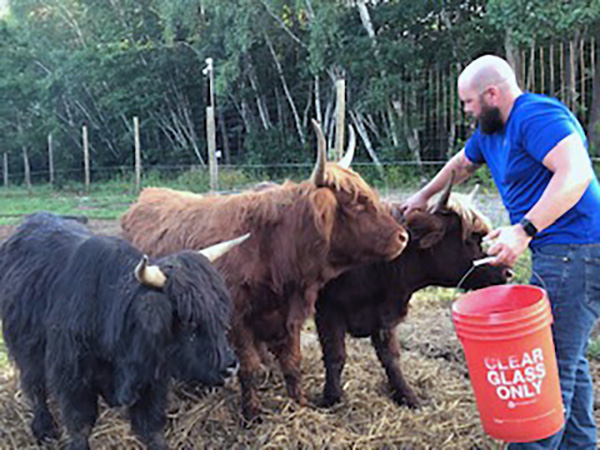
x,y
432,360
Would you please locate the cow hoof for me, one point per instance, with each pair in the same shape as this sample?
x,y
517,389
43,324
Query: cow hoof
x,y
157,443
328,401
250,422
411,401
251,416
79,444
301,400
44,428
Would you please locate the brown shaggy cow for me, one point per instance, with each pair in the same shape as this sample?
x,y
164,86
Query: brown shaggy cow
x,y
302,235
370,301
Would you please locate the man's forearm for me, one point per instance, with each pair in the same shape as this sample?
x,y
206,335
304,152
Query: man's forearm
x,y
562,193
572,174
462,168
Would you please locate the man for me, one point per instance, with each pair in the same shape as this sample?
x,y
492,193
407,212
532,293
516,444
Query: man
x,y
537,153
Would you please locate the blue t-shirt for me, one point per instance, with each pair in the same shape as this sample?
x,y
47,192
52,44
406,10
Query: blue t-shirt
x,y
535,126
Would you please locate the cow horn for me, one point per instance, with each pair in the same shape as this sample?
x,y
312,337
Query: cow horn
x,y
215,251
471,195
346,161
443,200
318,175
149,275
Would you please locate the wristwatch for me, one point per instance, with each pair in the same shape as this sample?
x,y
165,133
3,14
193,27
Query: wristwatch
x,y
529,227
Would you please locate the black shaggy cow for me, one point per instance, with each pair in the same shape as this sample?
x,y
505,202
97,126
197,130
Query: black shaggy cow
x,y
86,315
371,300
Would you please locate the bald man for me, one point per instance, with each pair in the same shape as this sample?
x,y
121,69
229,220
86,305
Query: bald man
x,y
536,151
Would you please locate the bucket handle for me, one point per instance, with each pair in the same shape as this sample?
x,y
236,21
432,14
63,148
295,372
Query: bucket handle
x,y
487,260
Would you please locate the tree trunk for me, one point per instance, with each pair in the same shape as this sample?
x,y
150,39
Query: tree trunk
x,y
318,101
262,109
411,133
224,137
365,18
362,132
513,56
286,90
594,123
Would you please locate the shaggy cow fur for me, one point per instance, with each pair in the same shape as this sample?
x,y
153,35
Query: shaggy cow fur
x,y
77,322
371,300
302,235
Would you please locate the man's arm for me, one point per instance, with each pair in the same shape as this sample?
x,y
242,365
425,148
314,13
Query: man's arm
x,y
572,174
463,168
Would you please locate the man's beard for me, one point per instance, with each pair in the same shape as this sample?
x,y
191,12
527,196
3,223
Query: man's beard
x,y
490,120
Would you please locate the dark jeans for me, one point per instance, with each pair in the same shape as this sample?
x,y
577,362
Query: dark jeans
x,y
571,275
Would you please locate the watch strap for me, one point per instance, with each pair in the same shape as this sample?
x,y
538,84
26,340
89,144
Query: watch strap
x,y
530,228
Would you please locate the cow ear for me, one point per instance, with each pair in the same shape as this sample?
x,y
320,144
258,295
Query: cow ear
x,y
426,230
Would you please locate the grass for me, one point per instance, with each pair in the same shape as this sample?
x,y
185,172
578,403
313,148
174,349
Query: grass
x,y
593,350
107,199
101,204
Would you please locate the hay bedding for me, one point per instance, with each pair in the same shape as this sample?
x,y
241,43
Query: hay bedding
x,y
367,418
432,361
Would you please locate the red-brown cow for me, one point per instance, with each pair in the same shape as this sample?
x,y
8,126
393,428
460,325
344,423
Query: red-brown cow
x,y
370,301
302,235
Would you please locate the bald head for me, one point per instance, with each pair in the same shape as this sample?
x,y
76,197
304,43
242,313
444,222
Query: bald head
x,y
486,71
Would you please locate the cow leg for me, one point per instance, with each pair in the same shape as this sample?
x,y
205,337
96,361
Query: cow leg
x,y
331,336
79,410
250,366
148,417
388,352
33,382
288,351
289,355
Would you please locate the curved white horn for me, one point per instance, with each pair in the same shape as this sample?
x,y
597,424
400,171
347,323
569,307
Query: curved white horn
x,y
445,195
474,191
346,161
215,251
318,175
149,275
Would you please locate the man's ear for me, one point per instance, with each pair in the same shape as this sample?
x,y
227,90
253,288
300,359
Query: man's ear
x,y
425,229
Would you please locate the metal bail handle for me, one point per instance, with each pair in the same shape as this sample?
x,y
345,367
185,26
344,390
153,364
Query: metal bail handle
x,y
487,260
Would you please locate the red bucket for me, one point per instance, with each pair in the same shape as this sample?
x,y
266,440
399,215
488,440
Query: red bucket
x,y
506,334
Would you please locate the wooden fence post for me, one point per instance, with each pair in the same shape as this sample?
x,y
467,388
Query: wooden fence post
x,y
551,64
50,159
340,118
138,154
5,169
542,75
211,136
26,169
86,158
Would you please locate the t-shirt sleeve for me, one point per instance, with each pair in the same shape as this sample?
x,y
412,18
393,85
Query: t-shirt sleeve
x,y
544,128
473,149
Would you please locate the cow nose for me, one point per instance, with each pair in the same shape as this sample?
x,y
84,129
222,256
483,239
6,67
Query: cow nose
x,y
402,239
508,273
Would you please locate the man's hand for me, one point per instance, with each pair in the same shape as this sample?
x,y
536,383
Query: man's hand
x,y
508,243
414,202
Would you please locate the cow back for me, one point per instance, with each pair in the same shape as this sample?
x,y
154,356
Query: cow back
x,y
30,260
288,240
